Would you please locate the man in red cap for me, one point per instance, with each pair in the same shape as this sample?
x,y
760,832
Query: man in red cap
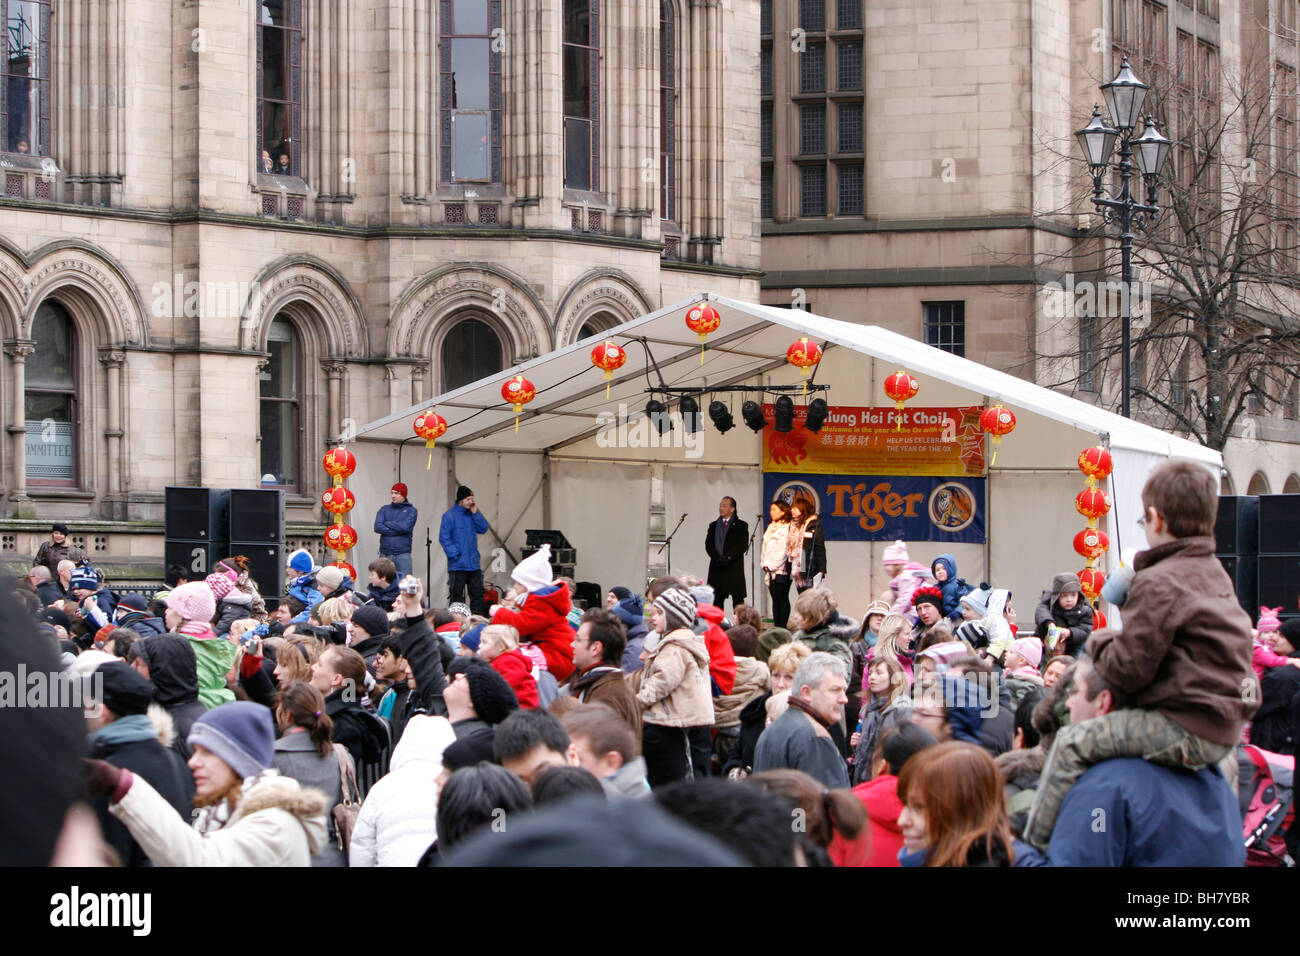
x,y
394,524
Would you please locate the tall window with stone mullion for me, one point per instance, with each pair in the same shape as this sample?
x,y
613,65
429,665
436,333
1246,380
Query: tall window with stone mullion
x,y
828,100
25,77
279,86
50,399
582,94
469,53
667,113
767,187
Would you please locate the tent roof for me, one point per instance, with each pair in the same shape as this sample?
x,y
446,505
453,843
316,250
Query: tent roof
x,y
753,340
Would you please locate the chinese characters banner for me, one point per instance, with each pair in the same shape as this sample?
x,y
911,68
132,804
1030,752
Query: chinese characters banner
x,y
941,442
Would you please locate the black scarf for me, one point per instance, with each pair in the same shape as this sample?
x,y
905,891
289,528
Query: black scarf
x,y
798,704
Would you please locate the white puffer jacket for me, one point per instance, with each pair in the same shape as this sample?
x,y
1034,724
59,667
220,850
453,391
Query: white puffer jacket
x,y
396,823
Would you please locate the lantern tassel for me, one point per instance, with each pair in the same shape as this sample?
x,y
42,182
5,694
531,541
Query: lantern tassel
x,y
429,464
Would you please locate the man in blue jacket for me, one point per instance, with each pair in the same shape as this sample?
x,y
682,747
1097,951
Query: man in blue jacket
x,y
1128,812
394,524
461,526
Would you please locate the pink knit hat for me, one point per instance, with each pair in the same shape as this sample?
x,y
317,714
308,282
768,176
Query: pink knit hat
x,y
1030,648
193,602
896,553
1268,620
221,581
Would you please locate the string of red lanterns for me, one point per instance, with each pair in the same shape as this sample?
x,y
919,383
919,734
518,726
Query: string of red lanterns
x,y
339,463
1093,503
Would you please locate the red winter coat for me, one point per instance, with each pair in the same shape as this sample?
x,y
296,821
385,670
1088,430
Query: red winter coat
x,y
518,672
879,844
542,621
722,659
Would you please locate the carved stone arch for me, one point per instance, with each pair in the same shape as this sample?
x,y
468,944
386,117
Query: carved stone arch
x,y
98,292
329,311
419,321
600,290
1292,484
1259,484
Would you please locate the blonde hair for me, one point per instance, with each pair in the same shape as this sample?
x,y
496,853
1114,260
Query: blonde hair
x,y
891,630
471,622
292,661
898,682
788,657
502,634
815,607
244,624
334,609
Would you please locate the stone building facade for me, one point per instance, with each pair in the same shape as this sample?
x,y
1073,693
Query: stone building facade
x,y
231,230
919,169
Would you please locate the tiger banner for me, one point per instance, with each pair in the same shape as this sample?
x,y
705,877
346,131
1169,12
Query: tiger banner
x,y
855,440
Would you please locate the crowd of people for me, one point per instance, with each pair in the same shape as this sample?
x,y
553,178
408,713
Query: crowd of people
x,y
356,725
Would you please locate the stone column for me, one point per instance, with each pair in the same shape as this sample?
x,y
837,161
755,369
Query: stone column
x,y
113,360
418,372
18,352
333,381
393,389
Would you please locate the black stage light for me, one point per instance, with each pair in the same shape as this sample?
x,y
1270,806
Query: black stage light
x,y
691,414
721,416
783,412
817,412
752,413
658,415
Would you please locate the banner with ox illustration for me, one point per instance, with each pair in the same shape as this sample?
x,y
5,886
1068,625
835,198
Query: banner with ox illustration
x,y
889,507
867,441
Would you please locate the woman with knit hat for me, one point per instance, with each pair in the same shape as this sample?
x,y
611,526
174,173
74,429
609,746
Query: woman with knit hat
x,y
190,609
250,815
672,688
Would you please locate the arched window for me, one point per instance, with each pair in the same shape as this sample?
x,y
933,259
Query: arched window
x,y
280,385
279,86
1258,484
470,351
1292,485
470,61
667,113
51,399
598,323
25,77
582,94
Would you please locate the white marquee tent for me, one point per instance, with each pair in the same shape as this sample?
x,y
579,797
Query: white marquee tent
x,y
614,503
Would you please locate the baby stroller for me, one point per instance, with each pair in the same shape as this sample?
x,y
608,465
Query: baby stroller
x,y
1266,792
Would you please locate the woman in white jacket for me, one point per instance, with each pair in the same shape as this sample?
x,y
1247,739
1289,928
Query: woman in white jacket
x,y
776,563
250,816
396,823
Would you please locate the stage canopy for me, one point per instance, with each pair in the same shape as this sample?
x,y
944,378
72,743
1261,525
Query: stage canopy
x,y
615,493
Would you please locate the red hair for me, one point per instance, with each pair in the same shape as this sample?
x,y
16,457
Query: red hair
x,y
960,789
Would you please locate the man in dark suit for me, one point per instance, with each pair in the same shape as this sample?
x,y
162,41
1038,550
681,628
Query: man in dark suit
x,y
726,542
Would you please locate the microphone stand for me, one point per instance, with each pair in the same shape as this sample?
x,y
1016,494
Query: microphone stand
x,y
668,543
428,562
753,580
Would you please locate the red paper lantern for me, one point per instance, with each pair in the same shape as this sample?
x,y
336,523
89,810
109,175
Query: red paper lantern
x,y
339,463
900,387
340,537
352,572
1098,621
805,355
1091,543
430,426
997,420
1092,580
608,357
518,391
703,319
338,501
1096,464
1092,503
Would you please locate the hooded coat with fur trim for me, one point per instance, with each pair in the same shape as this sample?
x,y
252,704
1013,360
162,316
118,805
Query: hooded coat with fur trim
x,y
541,620
833,637
277,823
674,686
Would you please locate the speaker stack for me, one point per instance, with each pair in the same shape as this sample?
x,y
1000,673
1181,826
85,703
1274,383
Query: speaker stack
x,y
204,525
1279,553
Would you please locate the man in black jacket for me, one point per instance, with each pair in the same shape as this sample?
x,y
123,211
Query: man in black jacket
x,y
168,662
122,733
726,542
477,698
340,676
422,650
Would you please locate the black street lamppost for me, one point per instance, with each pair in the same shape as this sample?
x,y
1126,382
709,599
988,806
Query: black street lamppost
x,y
1125,96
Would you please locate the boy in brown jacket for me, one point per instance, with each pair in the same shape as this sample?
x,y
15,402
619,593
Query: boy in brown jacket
x,y
1182,659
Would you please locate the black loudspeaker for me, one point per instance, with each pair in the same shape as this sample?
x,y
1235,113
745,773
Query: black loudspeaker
x,y
265,566
1244,571
257,514
1279,525
195,514
1279,581
1236,531
196,557
589,595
